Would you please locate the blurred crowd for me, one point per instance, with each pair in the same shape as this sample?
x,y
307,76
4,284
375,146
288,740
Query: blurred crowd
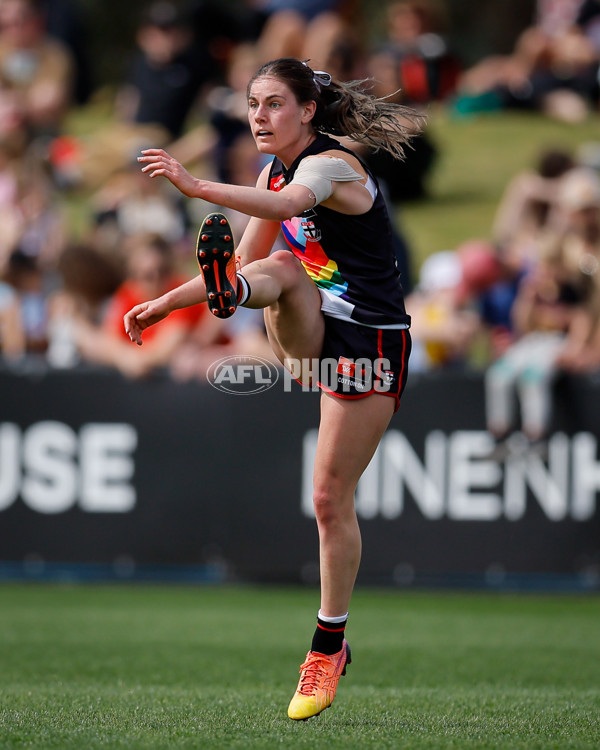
x,y
526,299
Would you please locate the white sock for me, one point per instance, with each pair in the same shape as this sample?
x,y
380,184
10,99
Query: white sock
x,y
339,618
245,291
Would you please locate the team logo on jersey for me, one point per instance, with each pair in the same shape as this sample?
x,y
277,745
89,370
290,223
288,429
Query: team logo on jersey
x,y
311,232
388,377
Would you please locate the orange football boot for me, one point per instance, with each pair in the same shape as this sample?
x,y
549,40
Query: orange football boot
x,y
319,677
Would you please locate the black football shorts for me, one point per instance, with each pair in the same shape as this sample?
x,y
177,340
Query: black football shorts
x,y
358,360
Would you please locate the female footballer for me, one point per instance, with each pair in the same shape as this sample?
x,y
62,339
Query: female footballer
x,y
336,296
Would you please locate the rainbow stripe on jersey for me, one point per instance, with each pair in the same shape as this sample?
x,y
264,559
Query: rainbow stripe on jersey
x,y
321,269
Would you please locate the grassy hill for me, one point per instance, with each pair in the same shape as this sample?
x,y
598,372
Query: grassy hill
x,y
477,158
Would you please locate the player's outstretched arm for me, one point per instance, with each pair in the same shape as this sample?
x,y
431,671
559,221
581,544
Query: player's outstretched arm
x,y
261,203
149,313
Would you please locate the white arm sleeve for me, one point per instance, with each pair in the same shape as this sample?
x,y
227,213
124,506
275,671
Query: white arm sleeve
x,y
318,172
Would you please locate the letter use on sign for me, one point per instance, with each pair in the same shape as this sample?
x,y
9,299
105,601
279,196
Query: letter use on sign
x,y
53,468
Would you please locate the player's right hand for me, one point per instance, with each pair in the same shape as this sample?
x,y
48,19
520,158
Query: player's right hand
x,y
143,316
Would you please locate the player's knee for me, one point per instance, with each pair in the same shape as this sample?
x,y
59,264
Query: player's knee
x,y
288,268
325,507
329,505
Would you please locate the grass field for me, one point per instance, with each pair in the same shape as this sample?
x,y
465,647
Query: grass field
x,y
156,667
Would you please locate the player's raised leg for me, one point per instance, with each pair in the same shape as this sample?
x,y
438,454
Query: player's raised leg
x,y
277,281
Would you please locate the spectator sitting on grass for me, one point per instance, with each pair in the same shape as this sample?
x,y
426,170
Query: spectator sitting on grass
x,y
414,63
24,275
555,317
442,329
36,74
553,67
12,334
528,208
168,71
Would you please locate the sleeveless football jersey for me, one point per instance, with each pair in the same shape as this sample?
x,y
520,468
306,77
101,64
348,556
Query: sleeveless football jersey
x,y
350,258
